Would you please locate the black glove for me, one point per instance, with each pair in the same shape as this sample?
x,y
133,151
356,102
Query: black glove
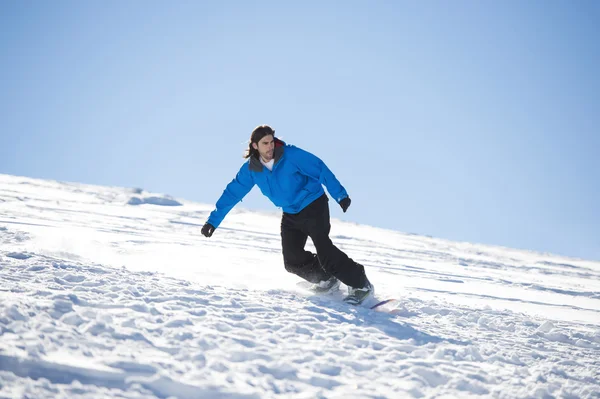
x,y
208,229
345,203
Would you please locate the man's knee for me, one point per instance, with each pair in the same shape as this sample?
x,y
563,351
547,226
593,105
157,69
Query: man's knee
x,y
323,244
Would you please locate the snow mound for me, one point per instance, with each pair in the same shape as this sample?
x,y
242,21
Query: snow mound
x,y
154,200
100,299
96,331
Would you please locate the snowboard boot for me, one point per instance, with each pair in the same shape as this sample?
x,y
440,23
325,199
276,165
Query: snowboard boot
x,y
326,285
356,296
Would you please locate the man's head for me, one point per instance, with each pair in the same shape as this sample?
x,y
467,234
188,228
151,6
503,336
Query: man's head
x,y
262,143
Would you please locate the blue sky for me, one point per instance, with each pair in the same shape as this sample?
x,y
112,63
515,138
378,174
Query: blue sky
x,y
469,120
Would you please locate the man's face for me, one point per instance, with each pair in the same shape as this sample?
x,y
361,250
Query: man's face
x,y
265,147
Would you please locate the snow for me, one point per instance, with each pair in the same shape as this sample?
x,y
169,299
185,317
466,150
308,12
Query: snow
x,y
101,298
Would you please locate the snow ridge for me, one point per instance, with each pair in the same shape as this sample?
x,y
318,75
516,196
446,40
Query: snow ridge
x,y
93,331
101,299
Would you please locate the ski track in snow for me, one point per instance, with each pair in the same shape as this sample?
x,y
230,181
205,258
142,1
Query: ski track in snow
x,y
101,296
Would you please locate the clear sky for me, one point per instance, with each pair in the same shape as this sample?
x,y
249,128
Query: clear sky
x,y
474,121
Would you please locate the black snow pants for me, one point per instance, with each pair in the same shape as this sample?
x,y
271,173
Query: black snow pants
x,y
313,221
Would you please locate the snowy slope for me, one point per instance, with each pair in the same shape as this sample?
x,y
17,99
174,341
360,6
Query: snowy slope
x,y
112,292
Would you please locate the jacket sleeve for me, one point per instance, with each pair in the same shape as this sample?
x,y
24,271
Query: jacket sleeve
x,y
313,167
234,193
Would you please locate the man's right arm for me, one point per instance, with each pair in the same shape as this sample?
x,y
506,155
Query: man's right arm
x,y
234,193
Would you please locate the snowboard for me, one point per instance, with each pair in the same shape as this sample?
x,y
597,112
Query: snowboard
x,y
383,303
381,306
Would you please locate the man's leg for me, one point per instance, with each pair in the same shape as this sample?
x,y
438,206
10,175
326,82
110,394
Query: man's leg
x,y
295,258
332,259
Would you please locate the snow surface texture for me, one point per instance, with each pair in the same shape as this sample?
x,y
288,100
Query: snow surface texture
x,y
102,299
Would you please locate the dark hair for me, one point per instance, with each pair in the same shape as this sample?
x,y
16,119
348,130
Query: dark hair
x,y
257,134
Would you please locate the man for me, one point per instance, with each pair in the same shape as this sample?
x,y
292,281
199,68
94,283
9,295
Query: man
x,y
292,179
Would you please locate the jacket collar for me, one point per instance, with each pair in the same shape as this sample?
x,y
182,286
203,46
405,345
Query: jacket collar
x,y
255,164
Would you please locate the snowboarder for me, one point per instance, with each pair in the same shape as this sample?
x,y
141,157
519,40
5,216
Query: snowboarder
x,y
293,180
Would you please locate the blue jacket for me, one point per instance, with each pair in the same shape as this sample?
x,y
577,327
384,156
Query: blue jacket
x,y
295,181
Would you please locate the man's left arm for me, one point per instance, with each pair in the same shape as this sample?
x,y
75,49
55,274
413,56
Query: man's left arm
x,y
312,166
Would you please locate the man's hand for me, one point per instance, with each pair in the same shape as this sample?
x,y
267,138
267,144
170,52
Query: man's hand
x,y
345,203
208,229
